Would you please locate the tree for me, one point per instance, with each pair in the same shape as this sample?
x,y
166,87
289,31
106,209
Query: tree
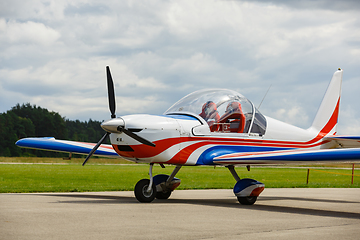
x,y
28,120
13,127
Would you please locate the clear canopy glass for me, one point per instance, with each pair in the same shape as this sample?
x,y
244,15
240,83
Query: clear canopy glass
x,y
224,111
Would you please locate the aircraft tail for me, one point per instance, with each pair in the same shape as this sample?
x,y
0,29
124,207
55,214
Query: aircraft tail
x,y
326,119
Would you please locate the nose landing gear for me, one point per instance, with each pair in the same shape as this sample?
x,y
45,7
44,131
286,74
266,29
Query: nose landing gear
x,y
160,186
141,191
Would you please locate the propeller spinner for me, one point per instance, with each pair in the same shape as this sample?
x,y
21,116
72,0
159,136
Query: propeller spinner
x,y
119,127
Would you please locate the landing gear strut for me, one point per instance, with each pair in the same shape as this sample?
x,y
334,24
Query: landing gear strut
x,y
145,190
166,184
159,186
246,190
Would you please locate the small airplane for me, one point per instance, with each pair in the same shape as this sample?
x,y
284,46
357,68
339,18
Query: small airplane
x,y
214,127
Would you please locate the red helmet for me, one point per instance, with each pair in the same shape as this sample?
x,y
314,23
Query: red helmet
x,y
233,107
209,107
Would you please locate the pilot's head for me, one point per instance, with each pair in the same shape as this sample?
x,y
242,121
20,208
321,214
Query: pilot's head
x,y
233,107
209,107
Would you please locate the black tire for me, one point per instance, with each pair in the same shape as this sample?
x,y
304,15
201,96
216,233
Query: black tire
x,y
163,195
247,200
140,191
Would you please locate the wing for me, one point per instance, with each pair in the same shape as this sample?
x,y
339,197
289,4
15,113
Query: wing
x,y
290,156
52,144
345,141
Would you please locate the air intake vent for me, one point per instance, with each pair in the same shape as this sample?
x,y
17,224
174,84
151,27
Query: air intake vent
x,y
125,148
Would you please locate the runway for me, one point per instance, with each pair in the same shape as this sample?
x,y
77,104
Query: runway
x,y
188,214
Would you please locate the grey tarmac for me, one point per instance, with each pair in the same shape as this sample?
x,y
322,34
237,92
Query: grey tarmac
x,y
302,213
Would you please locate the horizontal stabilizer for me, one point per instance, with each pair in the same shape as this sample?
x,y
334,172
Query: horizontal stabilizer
x,y
291,156
345,141
52,144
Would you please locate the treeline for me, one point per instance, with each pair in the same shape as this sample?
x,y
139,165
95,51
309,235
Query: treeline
x,y
28,120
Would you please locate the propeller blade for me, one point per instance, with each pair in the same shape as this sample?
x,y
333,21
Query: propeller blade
x,y
95,148
136,137
111,92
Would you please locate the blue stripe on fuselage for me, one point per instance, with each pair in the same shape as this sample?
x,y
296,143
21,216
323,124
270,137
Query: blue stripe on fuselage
x,y
343,154
207,157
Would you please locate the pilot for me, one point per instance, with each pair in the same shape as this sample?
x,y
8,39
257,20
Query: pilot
x,y
233,107
210,113
235,116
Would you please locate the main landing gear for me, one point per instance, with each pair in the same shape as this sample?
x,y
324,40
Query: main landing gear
x,y
159,186
247,190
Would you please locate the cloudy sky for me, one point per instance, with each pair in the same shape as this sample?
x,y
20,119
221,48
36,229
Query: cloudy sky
x,y
54,53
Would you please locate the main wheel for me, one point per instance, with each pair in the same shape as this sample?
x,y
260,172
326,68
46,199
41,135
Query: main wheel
x,y
163,195
141,193
247,200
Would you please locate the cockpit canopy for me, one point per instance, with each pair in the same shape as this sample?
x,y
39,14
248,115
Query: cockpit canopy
x,y
224,111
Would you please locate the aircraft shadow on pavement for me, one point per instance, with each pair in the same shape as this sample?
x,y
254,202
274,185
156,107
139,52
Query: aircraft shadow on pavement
x,y
260,205
95,198
307,199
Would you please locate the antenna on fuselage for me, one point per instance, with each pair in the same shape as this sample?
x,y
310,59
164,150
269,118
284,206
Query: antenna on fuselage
x,y
264,96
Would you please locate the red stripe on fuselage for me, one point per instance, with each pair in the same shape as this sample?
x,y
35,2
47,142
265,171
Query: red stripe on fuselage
x,y
145,151
182,156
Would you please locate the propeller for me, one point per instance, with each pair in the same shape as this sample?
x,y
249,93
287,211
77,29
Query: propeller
x,y
111,92
95,148
134,136
112,107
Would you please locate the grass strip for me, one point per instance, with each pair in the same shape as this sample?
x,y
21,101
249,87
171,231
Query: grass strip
x,y
24,178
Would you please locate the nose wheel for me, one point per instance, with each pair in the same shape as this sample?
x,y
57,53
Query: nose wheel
x,y
142,191
160,186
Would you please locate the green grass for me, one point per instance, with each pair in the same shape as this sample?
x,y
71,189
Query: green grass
x,y
75,160
15,178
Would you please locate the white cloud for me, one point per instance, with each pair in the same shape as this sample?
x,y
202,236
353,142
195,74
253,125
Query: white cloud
x,y
75,87
292,114
198,62
349,123
54,54
33,9
29,32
